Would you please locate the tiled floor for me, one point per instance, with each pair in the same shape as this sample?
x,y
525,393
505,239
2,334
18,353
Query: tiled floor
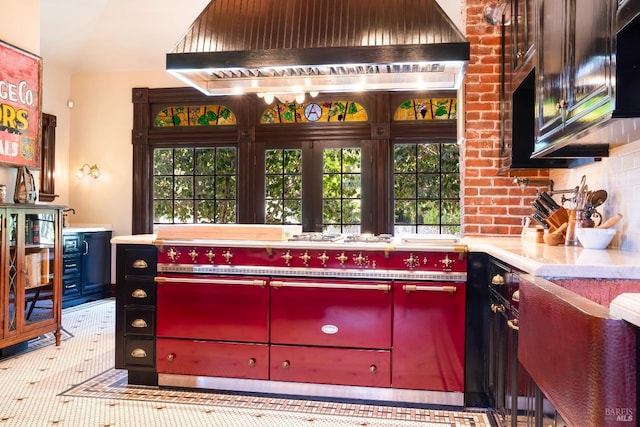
x,y
75,385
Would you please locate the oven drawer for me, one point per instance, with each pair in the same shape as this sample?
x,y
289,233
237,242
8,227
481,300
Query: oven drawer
x,y
331,313
139,321
429,336
139,352
213,359
213,308
369,368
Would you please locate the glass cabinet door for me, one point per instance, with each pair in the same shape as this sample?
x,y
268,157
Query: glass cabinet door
x,y
31,268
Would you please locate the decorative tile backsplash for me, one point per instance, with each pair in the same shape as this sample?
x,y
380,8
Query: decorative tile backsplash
x,y
619,175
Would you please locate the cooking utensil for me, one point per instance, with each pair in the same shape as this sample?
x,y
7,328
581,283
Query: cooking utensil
x,y
597,198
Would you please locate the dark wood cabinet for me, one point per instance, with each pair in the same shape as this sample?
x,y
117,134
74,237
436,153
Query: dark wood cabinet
x,y
135,345
518,90
511,389
86,269
575,69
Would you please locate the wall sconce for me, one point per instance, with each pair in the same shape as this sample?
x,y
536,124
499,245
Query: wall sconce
x,y
87,170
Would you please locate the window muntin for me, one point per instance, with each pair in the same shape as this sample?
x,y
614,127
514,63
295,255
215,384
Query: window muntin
x,y
426,188
194,185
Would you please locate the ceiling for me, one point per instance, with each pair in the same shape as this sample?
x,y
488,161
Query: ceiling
x,y
124,35
113,35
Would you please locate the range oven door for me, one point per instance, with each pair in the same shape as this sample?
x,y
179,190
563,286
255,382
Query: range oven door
x,y
331,313
206,307
428,336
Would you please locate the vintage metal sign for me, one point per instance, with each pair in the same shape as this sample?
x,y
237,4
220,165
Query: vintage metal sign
x,y
20,107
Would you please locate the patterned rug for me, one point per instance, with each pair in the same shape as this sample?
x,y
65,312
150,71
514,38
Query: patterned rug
x,y
112,384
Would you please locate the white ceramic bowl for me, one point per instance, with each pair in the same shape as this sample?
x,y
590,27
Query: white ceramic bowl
x,y
595,238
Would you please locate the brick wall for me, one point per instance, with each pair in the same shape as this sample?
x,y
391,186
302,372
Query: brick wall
x,y
491,204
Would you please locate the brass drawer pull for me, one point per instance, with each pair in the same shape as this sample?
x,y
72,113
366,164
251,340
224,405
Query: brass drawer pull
x,y
497,280
138,353
252,362
139,293
373,369
497,308
139,263
286,364
139,323
171,357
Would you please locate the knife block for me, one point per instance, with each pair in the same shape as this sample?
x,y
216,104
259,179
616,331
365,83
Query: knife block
x,y
556,219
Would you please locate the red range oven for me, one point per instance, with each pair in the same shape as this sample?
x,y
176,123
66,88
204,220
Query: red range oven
x,y
428,336
380,316
331,331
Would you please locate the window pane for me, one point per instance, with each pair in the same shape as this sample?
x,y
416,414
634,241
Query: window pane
x,y
162,161
405,186
283,186
183,161
204,161
183,187
163,211
188,185
205,187
205,212
163,187
225,187
429,200
341,187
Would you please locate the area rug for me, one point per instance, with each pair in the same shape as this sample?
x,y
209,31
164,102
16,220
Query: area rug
x,y
112,384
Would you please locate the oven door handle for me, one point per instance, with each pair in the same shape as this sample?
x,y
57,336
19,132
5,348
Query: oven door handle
x,y
245,282
327,285
415,288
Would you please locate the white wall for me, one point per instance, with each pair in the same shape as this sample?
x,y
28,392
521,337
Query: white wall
x,y
619,175
102,121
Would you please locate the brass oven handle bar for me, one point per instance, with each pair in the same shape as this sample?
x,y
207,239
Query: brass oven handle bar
x,y
261,283
376,287
414,288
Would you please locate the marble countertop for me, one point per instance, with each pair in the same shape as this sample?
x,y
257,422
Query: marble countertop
x,y
536,259
86,228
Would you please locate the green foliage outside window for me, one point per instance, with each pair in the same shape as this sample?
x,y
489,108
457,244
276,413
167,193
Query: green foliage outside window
x,y
194,185
426,188
283,186
341,190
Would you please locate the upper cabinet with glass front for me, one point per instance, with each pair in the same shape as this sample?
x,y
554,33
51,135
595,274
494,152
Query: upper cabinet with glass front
x,y
30,280
575,66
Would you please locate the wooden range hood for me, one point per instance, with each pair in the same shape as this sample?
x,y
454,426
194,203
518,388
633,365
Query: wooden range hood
x,y
286,46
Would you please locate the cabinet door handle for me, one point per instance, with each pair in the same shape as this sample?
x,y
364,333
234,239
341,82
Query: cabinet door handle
x,y
139,323
86,247
138,353
513,324
70,286
139,263
74,265
414,288
139,293
374,287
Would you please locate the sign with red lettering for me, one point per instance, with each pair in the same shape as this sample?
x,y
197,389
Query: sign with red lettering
x,y
20,106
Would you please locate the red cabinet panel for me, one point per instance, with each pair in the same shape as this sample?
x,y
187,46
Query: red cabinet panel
x,y
342,366
213,359
214,308
331,313
428,336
